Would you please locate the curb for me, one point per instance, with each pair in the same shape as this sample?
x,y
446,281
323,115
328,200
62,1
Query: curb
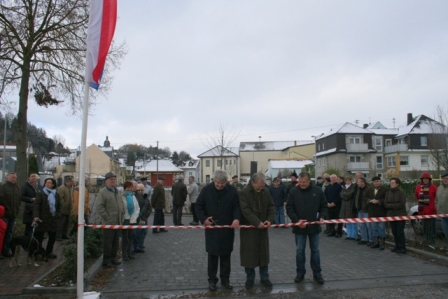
x,y
422,252
88,276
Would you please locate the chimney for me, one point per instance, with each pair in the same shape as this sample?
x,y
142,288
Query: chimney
x,y
410,118
364,126
295,143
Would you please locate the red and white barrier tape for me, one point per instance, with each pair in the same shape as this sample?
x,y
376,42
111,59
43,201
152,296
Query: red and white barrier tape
x,y
331,221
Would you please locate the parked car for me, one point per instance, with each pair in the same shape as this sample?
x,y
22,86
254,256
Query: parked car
x,y
417,225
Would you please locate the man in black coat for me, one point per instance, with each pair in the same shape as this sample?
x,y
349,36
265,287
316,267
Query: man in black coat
x,y
218,203
307,203
28,196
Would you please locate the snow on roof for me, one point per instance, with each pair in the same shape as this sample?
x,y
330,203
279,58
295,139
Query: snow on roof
x,y
192,164
286,164
332,150
421,125
218,150
265,145
347,128
385,131
106,149
164,166
377,125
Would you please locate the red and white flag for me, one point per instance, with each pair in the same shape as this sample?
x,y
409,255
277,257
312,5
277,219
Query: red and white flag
x,y
102,20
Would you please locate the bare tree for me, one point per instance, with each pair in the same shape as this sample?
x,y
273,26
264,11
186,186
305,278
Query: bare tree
x,y
437,140
42,53
221,140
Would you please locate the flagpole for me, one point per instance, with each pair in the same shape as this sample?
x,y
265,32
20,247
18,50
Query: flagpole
x,y
81,199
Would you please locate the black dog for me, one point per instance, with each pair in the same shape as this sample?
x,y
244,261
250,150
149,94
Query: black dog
x,y
31,245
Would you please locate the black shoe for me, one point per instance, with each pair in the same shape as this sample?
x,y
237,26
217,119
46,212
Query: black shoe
x,y
331,234
139,251
227,285
394,249
403,251
319,279
266,283
155,232
249,284
163,231
349,238
52,256
212,286
126,259
65,237
9,254
116,263
299,278
338,236
193,223
369,244
362,242
358,239
58,239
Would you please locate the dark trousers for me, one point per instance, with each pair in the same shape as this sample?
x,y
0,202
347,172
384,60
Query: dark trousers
x,y
333,213
63,226
429,230
127,236
159,219
398,232
10,223
224,268
111,238
177,214
193,212
50,243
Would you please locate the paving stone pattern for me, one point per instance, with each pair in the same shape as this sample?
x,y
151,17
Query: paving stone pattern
x,y
177,261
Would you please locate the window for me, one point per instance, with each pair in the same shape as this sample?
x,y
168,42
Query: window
x,y
404,160
390,161
207,163
379,162
355,158
227,162
424,160
354,140
219,163
230,161
318,147
388,142
378,144
324,162
323,146
207,178
424,141
401,141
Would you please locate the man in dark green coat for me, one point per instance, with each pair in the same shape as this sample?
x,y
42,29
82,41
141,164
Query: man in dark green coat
x,y
158,203
257,209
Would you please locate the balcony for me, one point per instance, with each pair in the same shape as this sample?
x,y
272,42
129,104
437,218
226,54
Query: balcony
x,y
402,147
358,166
357,148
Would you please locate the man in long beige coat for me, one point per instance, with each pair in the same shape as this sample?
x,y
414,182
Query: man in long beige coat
x,y
257,209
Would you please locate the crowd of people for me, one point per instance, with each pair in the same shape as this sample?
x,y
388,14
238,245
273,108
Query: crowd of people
x,y
226,203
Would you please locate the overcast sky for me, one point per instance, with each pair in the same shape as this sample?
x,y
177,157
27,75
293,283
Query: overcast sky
x,y
282,70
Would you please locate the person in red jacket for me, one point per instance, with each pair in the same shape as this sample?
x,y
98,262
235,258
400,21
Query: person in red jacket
x,y
425,192
2,230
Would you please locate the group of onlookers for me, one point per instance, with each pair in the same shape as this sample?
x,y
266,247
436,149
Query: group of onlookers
x,y
359,199
47,210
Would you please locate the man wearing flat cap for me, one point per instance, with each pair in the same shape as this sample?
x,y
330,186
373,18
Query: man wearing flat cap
x,y
158,203
109,206
442,202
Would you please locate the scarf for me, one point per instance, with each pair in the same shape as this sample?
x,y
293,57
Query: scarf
x,y
51,199
130,202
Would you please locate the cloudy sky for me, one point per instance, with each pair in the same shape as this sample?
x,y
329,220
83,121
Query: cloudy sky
x,y
282,70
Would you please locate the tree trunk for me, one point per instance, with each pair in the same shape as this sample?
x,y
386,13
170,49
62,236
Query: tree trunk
x,y
22,123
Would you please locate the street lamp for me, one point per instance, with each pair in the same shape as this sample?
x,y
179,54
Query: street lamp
x,y
315,150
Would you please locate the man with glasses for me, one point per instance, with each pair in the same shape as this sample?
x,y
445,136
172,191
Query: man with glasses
x,y
307,203
218,203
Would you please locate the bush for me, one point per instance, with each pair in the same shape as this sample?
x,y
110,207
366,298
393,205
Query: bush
x,y
93,248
